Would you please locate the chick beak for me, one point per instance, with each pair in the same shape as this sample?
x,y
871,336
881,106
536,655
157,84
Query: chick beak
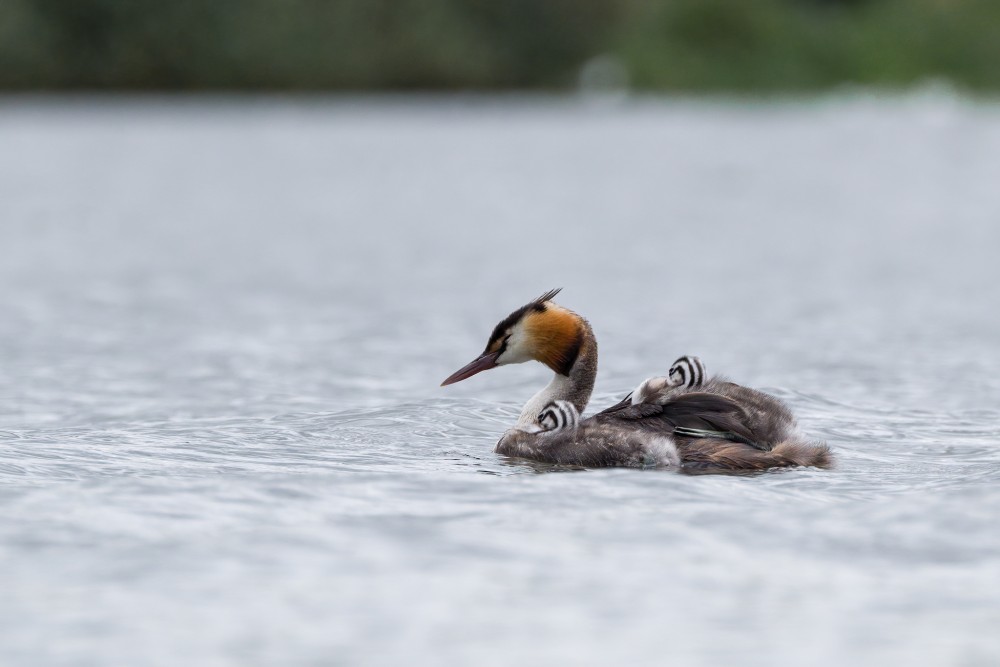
x,y
483,362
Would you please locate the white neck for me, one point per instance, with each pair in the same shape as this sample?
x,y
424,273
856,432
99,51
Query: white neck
x,y
561,388
575,387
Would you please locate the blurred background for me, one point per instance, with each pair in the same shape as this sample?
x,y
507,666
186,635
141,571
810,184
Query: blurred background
x,y
390,45
243,241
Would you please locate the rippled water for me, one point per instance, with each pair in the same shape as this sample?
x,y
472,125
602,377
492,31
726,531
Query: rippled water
x,y
224,322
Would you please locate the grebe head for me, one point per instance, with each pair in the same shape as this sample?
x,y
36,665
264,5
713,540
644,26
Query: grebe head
x,y
539,330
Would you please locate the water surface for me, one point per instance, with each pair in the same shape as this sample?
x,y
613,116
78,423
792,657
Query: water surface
x,y
224,322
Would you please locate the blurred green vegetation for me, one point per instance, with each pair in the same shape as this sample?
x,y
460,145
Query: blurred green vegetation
x,y
700,45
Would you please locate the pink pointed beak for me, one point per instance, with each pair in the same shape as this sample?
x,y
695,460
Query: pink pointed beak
x,y
483,362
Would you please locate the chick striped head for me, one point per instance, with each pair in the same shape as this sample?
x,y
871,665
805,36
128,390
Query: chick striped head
x,y
559,416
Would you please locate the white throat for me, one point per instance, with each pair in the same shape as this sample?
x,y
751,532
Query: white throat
x,y
559,389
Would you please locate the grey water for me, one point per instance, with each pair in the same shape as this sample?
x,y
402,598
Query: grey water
x,y
223,322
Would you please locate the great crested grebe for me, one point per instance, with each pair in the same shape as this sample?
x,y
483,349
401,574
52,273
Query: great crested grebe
x,y
685,419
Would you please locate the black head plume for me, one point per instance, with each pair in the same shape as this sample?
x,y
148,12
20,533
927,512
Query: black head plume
x,y
537,305
548,296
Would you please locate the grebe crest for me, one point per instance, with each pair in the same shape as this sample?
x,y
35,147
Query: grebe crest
x,y
559,416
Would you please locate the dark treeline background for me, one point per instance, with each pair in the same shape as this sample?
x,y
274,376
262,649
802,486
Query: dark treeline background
x,y
740,45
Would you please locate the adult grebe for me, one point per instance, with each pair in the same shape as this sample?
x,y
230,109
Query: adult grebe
x,y
684,419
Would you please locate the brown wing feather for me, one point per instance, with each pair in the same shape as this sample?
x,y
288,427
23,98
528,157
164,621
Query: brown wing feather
x,y
698,410
708,411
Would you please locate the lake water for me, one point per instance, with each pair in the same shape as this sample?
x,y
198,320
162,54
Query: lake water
x,y
224,323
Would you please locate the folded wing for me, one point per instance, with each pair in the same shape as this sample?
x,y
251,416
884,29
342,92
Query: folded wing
x,y
691,415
